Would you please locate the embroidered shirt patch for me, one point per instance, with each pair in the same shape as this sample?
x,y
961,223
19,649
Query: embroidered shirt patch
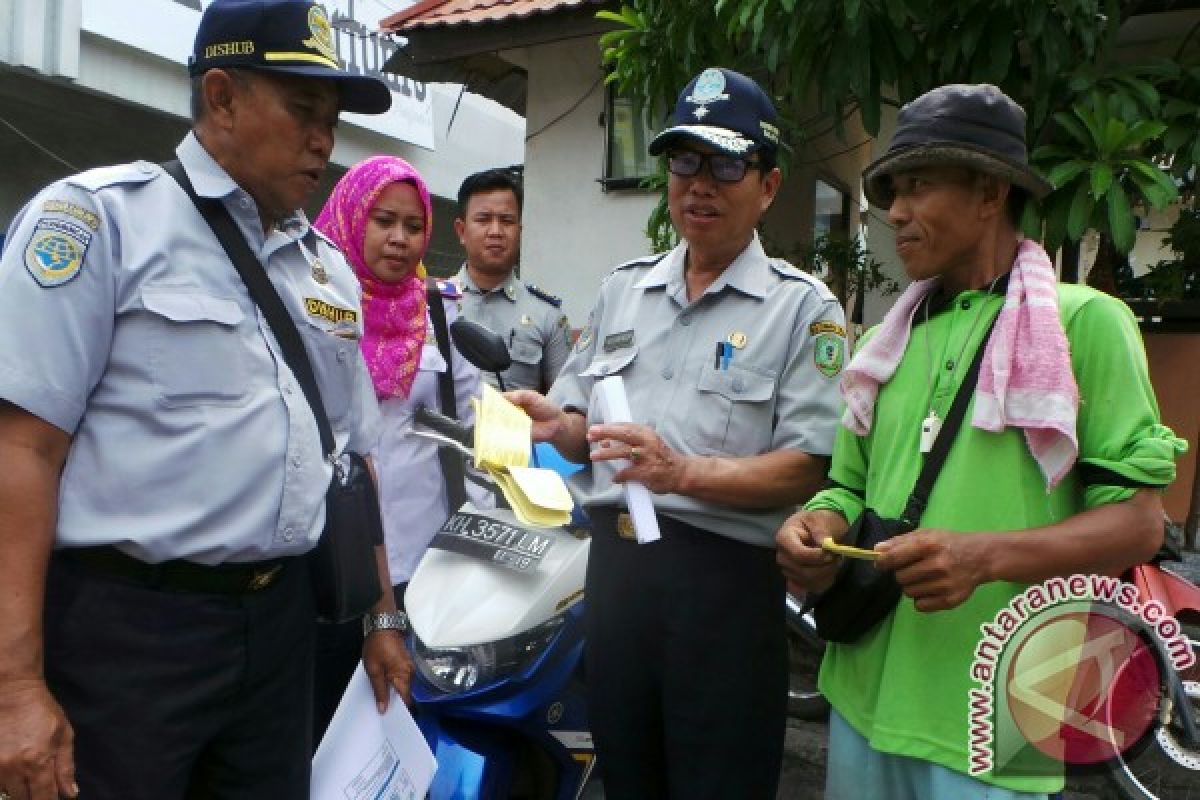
x,y
829,353
55,251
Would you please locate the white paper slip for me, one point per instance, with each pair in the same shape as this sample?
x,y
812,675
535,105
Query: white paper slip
x,y
610,400
366,755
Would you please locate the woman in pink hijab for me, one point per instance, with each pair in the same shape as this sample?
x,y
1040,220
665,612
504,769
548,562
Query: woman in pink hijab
x,y
381,217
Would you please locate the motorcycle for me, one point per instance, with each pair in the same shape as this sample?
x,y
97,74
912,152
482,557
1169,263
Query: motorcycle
x,y
496,611
805,650
497,638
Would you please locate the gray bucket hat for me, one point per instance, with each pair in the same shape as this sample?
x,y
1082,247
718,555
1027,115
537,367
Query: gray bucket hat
x,y
970,125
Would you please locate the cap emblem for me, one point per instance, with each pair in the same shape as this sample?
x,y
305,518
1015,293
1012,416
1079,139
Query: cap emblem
x,y
709,88
322,33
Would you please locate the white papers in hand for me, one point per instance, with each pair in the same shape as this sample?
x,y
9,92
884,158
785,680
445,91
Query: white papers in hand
x,y
611,402
366,755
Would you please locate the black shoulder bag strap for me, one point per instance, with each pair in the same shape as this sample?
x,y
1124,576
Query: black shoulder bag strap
x,y
936,457
254,275
452,465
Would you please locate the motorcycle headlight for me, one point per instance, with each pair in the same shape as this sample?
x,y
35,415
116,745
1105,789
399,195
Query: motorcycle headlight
x,y
460,669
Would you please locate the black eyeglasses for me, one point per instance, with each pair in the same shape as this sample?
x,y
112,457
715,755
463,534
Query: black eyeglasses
x,y
726,169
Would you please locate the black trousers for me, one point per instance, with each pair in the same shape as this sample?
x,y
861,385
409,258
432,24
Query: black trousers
x,y
339,649
686,664
179,694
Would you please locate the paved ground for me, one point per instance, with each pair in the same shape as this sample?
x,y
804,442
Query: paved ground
x,y
804,756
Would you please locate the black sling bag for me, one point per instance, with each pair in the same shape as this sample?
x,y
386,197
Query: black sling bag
x,y
345,576
453,474
862,596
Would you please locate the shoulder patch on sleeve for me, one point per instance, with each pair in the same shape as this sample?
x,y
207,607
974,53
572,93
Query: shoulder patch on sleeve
x,y
829,354
55,250
586,335
96,179
542,294
449,289
85,215
826,326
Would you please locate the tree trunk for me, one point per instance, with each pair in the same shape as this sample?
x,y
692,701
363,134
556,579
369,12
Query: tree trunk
x,y
1070,262
1103,275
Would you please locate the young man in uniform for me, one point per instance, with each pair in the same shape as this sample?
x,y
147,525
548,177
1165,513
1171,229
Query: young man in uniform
x,y
163,473
529,319
1056,469
729,360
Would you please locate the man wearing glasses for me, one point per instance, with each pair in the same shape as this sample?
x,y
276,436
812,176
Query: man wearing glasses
x,y
729,360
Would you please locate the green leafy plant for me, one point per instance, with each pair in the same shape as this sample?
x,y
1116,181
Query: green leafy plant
x,y
1178,277
1115,130
846,266
1100,173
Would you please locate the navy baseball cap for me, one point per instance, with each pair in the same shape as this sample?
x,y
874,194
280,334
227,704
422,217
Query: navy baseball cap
x,y
288,36
725,110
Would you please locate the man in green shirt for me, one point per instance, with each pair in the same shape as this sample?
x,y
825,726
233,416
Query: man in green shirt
x,y
1057,473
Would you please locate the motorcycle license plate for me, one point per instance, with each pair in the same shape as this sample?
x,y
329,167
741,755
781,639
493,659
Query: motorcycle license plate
x,y
511,546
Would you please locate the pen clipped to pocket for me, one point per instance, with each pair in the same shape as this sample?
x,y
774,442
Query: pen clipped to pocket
x,y
724,355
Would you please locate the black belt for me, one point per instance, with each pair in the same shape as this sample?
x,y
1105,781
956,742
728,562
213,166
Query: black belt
x,y
179,575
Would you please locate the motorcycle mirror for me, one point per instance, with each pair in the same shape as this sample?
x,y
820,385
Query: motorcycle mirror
x,y
480,345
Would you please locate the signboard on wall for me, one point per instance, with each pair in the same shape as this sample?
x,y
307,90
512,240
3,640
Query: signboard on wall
x,y
165,28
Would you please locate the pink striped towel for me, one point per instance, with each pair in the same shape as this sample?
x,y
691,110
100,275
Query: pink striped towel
x,y
1025,380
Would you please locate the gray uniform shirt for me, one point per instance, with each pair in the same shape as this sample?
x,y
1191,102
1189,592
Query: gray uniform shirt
x,y
128,327
533,327
774,388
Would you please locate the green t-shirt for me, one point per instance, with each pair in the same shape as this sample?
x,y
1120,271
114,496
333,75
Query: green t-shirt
x,y
904,685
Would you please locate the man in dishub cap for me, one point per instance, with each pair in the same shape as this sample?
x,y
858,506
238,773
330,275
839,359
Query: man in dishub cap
x,y
1056,469
729,359
163,474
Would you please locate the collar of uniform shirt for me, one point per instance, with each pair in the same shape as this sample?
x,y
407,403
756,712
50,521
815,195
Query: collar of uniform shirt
x,y
742,274
508,287
206,175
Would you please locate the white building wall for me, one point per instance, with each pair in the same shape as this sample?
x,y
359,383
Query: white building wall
x,y
574,231
52,53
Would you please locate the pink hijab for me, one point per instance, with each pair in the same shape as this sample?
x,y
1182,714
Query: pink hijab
x,y
393,313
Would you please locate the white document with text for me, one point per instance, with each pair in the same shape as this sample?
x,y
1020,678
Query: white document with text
x,y
366,755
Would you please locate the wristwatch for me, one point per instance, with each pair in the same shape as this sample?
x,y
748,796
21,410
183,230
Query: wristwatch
x,y
387,621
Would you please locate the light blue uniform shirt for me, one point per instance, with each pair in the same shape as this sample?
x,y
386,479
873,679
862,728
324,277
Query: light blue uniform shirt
x,y
775,389
127,326
531,323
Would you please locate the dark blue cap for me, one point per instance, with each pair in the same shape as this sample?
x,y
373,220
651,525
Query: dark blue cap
x,y
725,110
290,36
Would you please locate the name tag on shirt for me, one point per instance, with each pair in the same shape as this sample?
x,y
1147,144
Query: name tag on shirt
x,y
618,341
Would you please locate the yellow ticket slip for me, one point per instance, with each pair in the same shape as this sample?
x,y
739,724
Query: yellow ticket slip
x,y
846,550
502,431
502,443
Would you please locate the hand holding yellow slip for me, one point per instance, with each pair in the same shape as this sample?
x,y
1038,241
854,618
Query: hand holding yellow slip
x,y
829,545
